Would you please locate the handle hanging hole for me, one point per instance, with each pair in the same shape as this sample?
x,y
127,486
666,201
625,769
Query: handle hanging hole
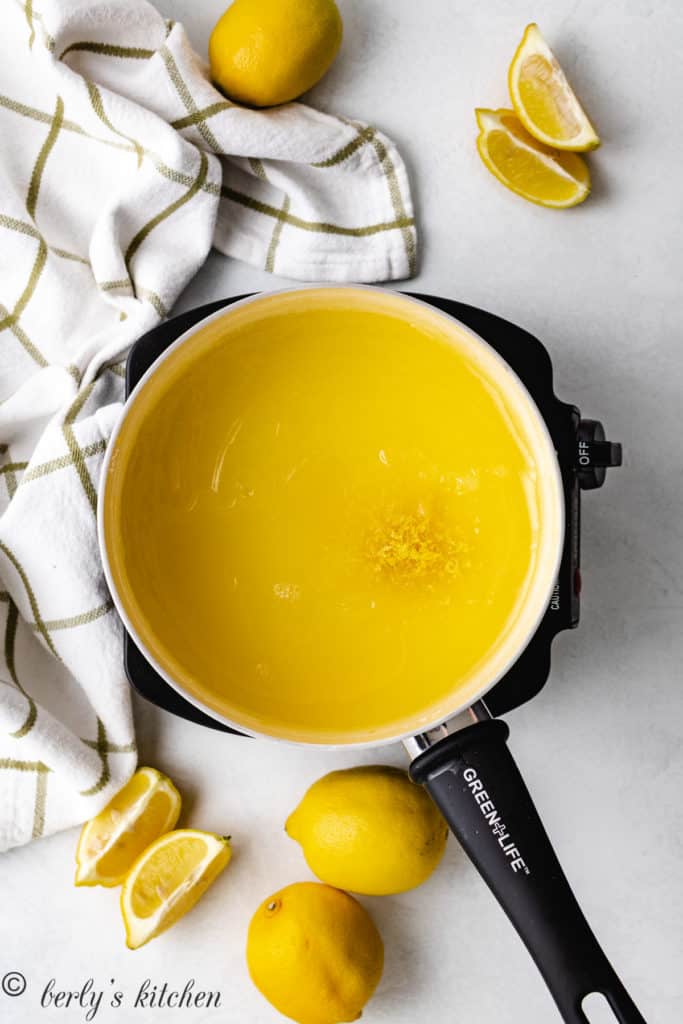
x,y
597,1010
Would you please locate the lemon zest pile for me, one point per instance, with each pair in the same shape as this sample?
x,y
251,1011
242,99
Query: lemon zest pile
x,y
410,546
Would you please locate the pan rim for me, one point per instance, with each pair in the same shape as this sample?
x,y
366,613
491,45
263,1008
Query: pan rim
x,y
468,695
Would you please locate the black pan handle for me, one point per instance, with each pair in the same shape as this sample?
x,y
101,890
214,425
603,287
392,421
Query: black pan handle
x,y
472,777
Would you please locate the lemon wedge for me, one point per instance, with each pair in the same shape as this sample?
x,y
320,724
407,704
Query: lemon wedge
x,y
168,879
549,177
543,98
146,807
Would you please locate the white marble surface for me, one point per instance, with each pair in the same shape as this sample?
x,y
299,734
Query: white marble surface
x,y
601,747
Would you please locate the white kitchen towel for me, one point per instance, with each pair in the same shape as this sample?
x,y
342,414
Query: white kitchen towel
x,y
120,165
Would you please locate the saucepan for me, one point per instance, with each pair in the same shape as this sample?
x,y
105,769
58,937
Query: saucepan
x,y
458,751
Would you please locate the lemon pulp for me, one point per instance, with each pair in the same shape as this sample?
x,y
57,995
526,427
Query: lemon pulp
x,y
322,514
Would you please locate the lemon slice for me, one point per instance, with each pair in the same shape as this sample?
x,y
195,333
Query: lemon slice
x,y
168,879
146,807
549,177
543,98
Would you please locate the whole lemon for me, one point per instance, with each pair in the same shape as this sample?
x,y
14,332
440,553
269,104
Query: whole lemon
x,y
314,953
370,830
265,52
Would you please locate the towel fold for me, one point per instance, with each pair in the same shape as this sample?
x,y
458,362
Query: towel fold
x,y
120,166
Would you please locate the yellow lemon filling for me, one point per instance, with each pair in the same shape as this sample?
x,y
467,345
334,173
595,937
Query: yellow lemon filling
x,y
322,515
